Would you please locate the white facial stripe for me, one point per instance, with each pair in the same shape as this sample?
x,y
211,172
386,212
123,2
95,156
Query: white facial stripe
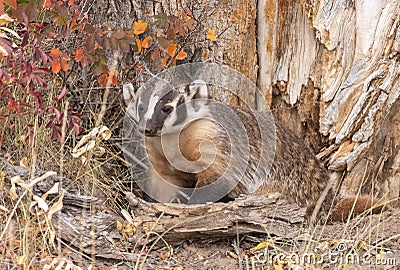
x,y
152,105
174,102
199,87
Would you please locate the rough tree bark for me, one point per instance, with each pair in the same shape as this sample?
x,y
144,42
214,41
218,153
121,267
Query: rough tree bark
x,y
330,70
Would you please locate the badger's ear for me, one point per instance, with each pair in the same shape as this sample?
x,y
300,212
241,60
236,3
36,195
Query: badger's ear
x,y
197,89
128,92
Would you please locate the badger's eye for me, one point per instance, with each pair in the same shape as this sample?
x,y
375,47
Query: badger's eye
x,y
167,109
141,108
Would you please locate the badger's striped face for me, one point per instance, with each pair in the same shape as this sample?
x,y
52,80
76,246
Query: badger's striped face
x,y
171,110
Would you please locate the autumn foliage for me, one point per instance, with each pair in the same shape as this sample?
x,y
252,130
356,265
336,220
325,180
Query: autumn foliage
x,y
45,44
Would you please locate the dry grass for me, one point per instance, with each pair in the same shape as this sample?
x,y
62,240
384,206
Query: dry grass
x,y
27,235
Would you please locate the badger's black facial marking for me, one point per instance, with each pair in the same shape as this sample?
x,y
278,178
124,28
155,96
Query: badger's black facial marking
x,y
167,109
181,111
172,106
162,109
181,101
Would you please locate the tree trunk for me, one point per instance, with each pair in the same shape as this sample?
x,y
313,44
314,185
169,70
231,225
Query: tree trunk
x,y
329,69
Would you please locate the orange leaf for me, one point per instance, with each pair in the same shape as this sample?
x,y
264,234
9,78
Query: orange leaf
x,y
64,64
139,45
73,23
55,67
181,55
211,35
172,49
164,61
79,55
139,27
146,43
103,79
55,53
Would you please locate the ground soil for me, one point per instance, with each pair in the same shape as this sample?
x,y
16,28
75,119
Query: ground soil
x,y
375,239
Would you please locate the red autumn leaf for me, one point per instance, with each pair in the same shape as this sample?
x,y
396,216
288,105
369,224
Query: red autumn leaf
x,y
56,67
77,127
114,80
58,114
79,55
12,105
103,79
11,3
62,94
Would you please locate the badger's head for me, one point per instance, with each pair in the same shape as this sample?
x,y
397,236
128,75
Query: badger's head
x,y
169,111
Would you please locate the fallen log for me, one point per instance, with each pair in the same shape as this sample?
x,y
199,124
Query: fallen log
x,y
270,215
88,224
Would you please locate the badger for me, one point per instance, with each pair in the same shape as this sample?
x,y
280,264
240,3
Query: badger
x,y
197,155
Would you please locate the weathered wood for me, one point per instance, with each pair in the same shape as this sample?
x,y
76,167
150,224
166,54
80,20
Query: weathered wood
x,y
269,215
89,225
330,70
